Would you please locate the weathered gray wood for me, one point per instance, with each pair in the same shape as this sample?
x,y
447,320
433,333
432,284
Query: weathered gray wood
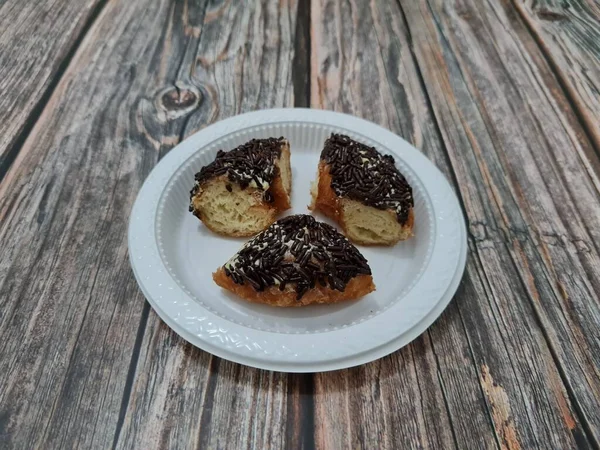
x,y
35,39
70,308
568,32
520,158
182,398
185,398
458,48
513,362
427,394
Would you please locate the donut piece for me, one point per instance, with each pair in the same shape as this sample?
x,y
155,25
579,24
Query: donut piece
x,y
297,261
241,192
364,192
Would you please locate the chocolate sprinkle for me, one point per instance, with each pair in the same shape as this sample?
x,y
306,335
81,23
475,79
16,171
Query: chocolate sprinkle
x,y
361,173
251,164
299,251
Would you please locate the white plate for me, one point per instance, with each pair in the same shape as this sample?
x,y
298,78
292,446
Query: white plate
x,y
173,255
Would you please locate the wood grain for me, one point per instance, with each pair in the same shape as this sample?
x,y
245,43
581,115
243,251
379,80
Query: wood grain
x,y
516,325
36,42
568,33
70,308
430,395
501,96
520,158
243,52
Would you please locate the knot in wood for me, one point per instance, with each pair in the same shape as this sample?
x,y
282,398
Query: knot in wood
x,y
178,100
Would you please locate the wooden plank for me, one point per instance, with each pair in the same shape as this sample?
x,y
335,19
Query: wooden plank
x,y
182,397
428,394
185,398
473,58
36,40
569,34
69,308
69,305
521,160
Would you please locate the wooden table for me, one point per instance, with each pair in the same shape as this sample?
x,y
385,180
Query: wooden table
x,y
503,96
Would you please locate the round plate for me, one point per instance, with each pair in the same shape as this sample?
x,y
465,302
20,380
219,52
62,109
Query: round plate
x,y
173,255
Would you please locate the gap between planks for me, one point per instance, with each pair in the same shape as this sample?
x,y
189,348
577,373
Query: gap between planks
x,y
135,356
302,436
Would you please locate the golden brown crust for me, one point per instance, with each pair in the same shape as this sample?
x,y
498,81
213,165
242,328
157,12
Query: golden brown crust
x,y
327,202
357,287
282,199
330,204
410,223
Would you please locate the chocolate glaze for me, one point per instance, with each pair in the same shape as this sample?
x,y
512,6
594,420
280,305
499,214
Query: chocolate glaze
x,y
297,251
361,173
251,164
